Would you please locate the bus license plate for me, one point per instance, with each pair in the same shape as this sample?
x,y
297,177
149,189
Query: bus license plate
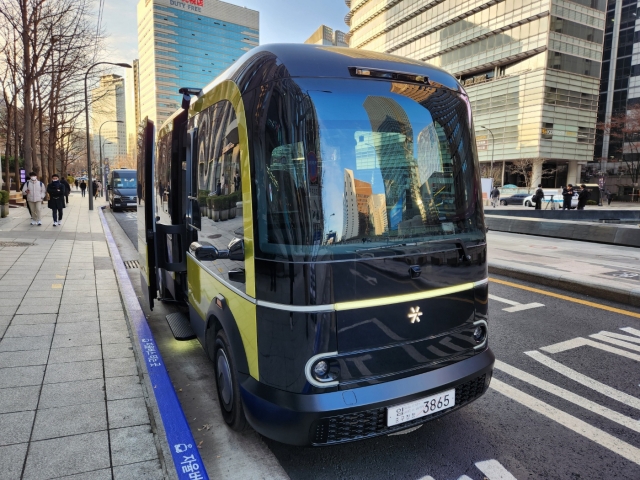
x,y
420,408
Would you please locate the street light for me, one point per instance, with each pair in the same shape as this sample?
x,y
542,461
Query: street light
x,y
492,146
102,176
86,110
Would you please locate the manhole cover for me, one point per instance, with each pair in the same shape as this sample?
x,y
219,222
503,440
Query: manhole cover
x,y
132,264
15,244
215,235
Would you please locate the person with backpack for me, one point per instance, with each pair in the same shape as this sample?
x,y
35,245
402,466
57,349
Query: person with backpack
x,y
83,188
495,196
538,196
56,191
35,191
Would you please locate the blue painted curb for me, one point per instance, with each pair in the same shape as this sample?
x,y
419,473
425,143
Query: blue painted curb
x,y
186,457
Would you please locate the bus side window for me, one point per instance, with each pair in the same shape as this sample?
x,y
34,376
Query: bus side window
x,y
219,187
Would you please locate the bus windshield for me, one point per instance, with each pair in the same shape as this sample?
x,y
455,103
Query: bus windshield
x,y
125,180
366,164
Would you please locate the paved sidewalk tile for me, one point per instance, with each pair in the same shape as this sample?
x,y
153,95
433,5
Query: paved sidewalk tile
x,y
40,319
75,354
67,455
104,474
16,427
117,350
150,470
70,420
75,340
132,445
71,393
71,372
29,330
45,307
23,358
123,387
13,344
78,317
21,376
92,326
12,459
120,367
19,399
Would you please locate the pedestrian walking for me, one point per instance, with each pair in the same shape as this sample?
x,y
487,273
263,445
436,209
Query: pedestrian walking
x,y
609,196
538,196
56,191
67,188
495,197
76,183
94,189
83,188
583,196
567,195
35,191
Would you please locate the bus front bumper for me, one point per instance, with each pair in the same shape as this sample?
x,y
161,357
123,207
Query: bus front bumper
x,y
348,415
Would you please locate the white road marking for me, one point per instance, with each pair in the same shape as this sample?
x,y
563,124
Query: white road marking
x,y
515,306
581,342
620,336
586,381
494,470
569,396
464,477
620,343
632,331
580,427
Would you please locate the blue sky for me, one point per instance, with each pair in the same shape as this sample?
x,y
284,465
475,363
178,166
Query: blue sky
x,y
289,21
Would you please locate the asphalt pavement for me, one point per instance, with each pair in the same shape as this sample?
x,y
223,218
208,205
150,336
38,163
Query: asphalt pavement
x,y
563,404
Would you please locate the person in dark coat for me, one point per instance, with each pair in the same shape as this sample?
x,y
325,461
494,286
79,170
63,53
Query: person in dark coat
x,y
83,188
583,196
67,188
567,195
76,182
609,196
538,196
94,189
56,191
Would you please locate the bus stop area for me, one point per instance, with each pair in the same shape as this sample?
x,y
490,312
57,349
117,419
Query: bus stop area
x,y
75,397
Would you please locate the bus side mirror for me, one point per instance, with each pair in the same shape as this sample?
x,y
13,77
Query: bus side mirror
x,y
236,249
204,253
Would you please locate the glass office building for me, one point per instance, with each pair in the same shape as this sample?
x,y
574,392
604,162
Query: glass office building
x,y
187,43
531,69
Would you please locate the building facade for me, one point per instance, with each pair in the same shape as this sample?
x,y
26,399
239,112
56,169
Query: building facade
x,y
327,36
187,44
108,105
132,97
531,69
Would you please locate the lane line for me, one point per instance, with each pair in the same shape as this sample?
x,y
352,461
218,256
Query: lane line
x,y
583,342
632,331
613,341
586,381
578,426
494,470
594,407
568,299
503,300
519,308
620,336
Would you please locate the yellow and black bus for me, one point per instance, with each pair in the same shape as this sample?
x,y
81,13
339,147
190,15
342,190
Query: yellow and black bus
x,y
318,210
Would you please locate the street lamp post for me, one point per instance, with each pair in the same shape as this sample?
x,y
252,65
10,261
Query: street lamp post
x,y
86,111
102,144
102,176
492,147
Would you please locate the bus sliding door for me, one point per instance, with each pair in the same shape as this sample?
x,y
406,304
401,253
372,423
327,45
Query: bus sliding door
x,y
146,210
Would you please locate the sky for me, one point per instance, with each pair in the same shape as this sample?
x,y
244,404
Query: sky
x,y
281,21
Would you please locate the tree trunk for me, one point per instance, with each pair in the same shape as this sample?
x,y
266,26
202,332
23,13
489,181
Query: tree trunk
x,y
17,154
7,154
26,88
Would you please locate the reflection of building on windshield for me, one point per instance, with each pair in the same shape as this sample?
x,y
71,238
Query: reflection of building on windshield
x,y
357,195
124,182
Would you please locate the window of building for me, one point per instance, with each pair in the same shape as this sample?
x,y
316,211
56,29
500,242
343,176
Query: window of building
x,y
578,65
597,4
577,30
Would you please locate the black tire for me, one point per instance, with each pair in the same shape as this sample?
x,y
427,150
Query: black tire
x,y
503,202
527,203
227,385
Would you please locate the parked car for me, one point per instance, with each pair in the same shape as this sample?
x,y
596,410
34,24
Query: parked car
x,y
515,199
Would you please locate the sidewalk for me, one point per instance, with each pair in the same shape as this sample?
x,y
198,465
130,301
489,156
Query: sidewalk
x,y
610,272
72,404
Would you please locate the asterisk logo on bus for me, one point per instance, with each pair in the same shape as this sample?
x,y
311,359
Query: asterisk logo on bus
x,y
414,314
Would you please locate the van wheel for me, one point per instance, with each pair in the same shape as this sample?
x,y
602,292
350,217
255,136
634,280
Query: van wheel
x,y
527,203
226,381
503,202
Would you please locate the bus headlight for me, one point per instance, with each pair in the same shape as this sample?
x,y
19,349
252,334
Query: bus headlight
x,y
479,334
320,369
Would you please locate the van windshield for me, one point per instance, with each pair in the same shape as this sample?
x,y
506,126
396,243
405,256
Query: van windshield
x,y
125,180
353,164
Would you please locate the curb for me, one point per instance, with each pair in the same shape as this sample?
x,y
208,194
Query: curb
x,y
627,297
184,452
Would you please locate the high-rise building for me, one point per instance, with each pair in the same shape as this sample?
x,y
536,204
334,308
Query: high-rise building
x,y
327,36
132,100
108,106
187,44
531,69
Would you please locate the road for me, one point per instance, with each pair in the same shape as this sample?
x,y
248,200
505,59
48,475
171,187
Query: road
x,y
564,403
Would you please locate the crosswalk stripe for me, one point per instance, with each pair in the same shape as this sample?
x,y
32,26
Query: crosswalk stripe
x,y
569,396
620,343
632,331
586,381
590,432
494,470
626,338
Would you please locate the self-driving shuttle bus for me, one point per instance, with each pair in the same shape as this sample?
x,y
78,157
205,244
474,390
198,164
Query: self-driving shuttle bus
x,y
318,210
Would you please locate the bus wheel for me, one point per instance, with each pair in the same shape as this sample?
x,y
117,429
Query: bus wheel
x,y
227,384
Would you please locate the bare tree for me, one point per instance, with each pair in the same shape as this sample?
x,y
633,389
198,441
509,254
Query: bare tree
x,y
495,175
